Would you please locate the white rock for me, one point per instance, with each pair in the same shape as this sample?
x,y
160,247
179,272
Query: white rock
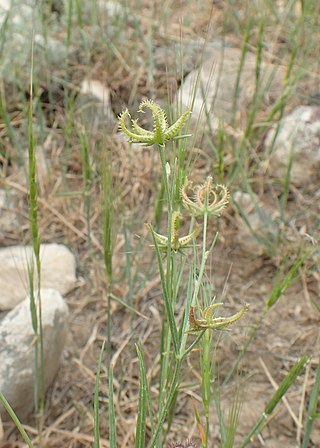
x,y
257,231
114,10
93,108
17,349
298,139
217,83
58,271
5,4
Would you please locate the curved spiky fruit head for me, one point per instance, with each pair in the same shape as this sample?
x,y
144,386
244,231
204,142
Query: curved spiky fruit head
x,y
174,130
161,131
208,321
176,242
138,136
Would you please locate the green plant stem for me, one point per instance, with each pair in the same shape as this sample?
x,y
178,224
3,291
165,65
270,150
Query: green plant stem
x,y
96,428
36,308
206,379
194,343
165,410
143,399
168,304
163,159
112,416
203,260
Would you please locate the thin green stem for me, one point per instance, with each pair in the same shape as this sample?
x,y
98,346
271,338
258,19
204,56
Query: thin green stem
x,y
206,379
171,396
194,343
36,309
169,204
203,259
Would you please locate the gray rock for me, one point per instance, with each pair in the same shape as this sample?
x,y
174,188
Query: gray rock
x,y
217,83
297,139
18,21
9,221
56,52
58,271
93,109
183,57
17,350
257,231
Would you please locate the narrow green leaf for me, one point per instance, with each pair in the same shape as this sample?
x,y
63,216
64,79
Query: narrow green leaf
x,y
232,422
15,420
287,382
277,292
172,323
108,215
287,281
312,410
96,401
112,415
142,406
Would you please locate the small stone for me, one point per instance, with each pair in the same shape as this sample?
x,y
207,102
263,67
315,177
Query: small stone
x,y
17,350
297,140
257,231
217,83
58,271
93,108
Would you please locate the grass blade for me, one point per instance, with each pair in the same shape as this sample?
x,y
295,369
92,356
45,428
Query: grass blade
x,y
172,323
143,399
16,420
96,401
281,391
277,292
36,308
233,422
112,415
312,409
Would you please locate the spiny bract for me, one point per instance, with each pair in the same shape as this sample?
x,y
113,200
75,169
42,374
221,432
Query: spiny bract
x,y
161,133
207,198
209,321
177,243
